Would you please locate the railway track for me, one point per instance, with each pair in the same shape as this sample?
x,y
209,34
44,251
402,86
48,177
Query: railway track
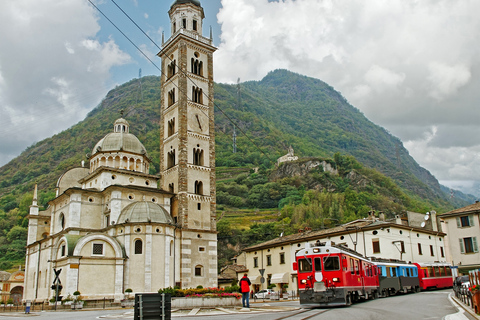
x,y
303,314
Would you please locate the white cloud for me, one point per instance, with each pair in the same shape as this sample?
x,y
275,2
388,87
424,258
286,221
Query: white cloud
x,y
446,80
53,69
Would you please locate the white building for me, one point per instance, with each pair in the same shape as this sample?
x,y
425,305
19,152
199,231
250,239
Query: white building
x,y
111,227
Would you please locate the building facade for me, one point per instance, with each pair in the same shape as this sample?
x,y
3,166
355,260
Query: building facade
x,y
463,233
111,227
369,237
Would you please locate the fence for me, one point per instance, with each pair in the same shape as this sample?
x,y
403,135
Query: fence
x,y
91,304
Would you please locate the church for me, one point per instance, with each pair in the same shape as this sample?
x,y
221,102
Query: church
x,y
113,226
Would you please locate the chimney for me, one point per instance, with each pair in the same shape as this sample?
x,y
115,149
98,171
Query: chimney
x,y
398,220
381,216
433,217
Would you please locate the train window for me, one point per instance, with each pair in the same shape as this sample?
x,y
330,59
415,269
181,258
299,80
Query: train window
x,y
331,263
394,271
305,265
449,271
318,264
352,269
357,269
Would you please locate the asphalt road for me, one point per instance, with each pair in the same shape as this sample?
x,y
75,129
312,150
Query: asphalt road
x,y
424,305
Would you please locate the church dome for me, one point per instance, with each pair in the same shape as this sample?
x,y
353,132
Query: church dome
x,y
120,140
195,2
144,211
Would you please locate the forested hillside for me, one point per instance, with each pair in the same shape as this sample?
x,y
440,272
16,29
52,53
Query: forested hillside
x,y
281,110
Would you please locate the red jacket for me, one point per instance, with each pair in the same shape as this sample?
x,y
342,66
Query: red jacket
x,y
245,285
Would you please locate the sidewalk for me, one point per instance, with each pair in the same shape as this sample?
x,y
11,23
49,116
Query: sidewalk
x,y
468,310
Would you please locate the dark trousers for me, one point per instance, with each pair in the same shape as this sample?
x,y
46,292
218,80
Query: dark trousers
x,y
246,299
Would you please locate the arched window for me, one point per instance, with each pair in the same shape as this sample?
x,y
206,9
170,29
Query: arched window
x,y
197,157
198,187
171,69
171,97
61,221
171,187
171,159
138,246
171,127
198,271
196,66
197,95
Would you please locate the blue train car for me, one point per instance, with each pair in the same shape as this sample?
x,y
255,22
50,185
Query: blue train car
x,y
397,276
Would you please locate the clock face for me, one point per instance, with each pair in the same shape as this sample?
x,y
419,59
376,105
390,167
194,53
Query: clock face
x,y
199,122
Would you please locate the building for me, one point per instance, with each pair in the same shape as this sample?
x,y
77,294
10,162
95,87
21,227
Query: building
x,y
372,237
11,286
110,227
463,232
288,157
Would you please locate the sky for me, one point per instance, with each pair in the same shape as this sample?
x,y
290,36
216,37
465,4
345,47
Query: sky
x,y
410,66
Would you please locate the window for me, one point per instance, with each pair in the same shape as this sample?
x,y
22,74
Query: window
x,y
195,25
201,249
171,187
465,221
198,271
255,262
197,157
138,246
197,95
442,254
376,245
171,159
282,257
196,66
318,264
468,245
171,68
431,251
62,221
305,265
199,206
198,187
63,251
269,260
352,268
420,249
97,249
331,263
184,23
171,97
171,127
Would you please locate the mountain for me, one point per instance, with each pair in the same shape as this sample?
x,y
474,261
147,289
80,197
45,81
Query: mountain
x,y
282,109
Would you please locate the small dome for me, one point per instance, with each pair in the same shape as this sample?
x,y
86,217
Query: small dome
x,y
195,2
120,140
144,211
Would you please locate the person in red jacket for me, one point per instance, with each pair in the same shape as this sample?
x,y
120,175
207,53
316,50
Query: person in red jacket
x,y
245,290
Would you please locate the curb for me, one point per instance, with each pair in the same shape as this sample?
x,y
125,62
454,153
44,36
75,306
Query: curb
x,y
463,306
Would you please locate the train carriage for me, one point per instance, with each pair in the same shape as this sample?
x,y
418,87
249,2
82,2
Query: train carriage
x,y
397,276
436,275
330,275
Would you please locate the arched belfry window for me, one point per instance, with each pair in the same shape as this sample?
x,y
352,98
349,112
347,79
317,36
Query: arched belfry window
x,y
197,95
196,65
61,221
171,97
138,246
198,187
171,187
171,159
197,156
171,127
171,69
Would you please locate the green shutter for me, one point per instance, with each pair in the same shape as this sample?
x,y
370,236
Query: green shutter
x,y
462,248
470,220
458,222
475,245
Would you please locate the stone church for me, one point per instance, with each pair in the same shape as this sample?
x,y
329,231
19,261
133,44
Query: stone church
x,y
113,226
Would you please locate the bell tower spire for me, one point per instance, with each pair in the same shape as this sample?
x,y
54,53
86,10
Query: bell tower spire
x,y
187,140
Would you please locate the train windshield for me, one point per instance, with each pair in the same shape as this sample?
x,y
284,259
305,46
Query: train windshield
x,y
305,265
318,264
331,264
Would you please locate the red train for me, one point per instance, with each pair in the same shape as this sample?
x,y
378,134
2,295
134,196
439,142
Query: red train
x,y
333,275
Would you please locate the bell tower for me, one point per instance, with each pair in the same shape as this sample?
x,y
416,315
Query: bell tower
x,y
187,142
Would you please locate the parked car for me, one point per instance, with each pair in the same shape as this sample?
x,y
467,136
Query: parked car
x,y
264,294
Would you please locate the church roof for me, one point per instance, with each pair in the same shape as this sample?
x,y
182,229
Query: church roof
x,y
144,211
120,140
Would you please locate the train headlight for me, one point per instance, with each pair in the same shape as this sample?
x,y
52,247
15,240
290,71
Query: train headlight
x,y
336,280
304,281
316,250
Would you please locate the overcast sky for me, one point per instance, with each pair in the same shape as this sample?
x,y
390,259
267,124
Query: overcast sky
x,y
410,66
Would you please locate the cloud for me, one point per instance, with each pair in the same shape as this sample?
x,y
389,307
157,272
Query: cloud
x,y
53,69
408,65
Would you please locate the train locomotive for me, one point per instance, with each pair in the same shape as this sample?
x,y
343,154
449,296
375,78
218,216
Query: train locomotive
x,y
334,275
